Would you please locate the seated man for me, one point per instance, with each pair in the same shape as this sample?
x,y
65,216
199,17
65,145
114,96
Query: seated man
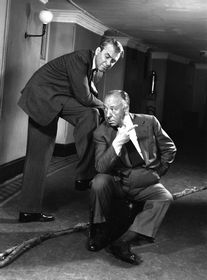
x,y
132,152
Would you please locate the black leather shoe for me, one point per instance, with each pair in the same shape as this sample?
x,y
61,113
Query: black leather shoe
x,y
82,185
99,237
121,250
35,217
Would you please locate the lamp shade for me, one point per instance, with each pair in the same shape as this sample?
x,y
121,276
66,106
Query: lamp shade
x,y
45,16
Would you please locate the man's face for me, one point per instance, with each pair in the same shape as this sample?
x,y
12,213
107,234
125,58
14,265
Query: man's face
x,y
114,109
106,58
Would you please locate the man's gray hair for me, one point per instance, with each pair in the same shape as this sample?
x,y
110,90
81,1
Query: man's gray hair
x,y
123,94
116,44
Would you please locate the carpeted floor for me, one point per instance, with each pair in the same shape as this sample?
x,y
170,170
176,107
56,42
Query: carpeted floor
x,y
179,252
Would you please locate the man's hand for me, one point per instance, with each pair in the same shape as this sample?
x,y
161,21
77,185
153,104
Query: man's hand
x,y
122,137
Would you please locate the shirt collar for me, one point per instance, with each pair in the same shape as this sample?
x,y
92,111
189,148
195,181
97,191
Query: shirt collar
x,y
94,63
127,120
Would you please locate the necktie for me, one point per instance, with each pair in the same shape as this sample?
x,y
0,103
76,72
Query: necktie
x,y
134,156
92,82
97,75
93,73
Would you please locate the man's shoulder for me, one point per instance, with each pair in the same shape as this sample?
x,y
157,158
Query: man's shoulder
x,y
103,128
82,54
143,117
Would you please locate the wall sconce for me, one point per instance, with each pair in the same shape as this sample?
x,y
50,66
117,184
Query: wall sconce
x,y
45,17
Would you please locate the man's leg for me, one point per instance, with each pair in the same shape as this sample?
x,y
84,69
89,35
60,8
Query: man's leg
x,y
85,120
157,201
103,192
40,145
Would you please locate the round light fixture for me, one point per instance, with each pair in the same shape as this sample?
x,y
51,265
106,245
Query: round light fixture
x,y
45,16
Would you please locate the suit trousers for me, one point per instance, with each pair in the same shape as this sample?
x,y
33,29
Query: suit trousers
x,y
40,146
156,200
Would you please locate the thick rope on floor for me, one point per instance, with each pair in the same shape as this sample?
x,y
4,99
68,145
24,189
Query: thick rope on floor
x,y
9,255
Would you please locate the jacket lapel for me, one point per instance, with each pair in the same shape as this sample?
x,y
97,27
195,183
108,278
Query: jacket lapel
x,y
111,133
140,131
140,122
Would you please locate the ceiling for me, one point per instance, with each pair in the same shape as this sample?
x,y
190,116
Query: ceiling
x,y
178,27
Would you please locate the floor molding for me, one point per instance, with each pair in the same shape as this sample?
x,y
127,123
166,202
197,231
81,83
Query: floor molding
x,y
62,150
11,169
12,187
15,167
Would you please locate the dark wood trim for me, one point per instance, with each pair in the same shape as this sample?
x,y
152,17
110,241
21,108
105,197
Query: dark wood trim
x,y
11,169
15,167
63,150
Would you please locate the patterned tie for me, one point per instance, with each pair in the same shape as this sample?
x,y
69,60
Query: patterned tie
x,y
134,156
93,73
96,75
92,82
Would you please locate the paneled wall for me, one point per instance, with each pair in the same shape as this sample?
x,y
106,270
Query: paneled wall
x,y
61,39
22,59
160,68
134,78
177,97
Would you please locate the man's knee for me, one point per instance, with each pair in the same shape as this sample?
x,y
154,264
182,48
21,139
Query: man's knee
x,y
90,119
164,193
92,114
170,197
100,182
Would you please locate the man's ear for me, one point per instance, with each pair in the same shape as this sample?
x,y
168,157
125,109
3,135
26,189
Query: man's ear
x,y
98,50
126,108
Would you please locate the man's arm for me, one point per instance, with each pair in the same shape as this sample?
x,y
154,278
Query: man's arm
x,y
105,155
77,69
166,148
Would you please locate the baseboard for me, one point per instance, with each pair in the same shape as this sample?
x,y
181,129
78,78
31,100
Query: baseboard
x,y
15,167
11,169
62,150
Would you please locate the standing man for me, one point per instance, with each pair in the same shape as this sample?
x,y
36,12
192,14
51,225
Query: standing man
x,y
64,87
132,152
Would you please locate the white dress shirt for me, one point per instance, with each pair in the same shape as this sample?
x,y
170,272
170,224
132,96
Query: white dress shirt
x,y
93,78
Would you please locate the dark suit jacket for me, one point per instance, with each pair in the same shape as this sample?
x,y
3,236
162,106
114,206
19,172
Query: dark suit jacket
x,y
157,147
51,86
